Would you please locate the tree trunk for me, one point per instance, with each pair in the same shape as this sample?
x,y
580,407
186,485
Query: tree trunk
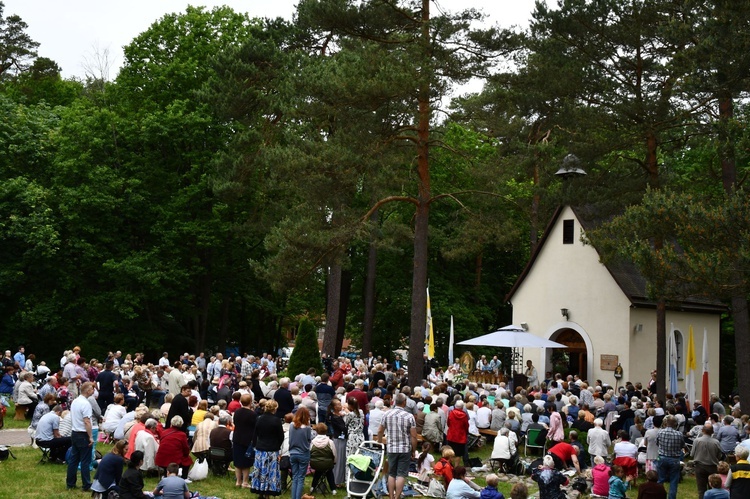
x,y
333,294
739,301
369,315
661,348
346,288
726,143
535,201
742,347
421,221
652,170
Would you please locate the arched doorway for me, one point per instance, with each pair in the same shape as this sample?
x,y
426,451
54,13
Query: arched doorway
x,y
577,362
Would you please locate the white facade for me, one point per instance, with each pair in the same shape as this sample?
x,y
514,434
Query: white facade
x,y
602,319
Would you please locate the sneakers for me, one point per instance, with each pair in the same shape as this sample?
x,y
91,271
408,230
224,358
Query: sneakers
x,y
187,480
333,492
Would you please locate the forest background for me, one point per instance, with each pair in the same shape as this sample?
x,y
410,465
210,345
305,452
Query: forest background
x,y
239,174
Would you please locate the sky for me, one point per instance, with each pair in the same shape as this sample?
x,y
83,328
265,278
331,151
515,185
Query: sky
x,y
72,32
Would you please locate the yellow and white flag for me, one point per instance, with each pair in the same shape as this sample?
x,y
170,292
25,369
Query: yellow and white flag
x,y
429,334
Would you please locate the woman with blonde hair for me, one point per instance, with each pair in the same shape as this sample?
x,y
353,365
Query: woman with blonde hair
x,y
109,470
199,412
269,436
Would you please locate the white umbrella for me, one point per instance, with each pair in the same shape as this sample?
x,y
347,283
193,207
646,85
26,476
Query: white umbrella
x,y
512,337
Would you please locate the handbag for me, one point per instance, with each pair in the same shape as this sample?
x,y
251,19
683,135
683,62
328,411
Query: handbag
x,y
199,471
435,489
5,452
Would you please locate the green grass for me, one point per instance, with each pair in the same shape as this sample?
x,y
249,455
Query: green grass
x,y
24,477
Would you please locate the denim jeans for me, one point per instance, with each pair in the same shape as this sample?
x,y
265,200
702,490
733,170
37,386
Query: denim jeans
x,y
80,452
669,471
158,396
299,470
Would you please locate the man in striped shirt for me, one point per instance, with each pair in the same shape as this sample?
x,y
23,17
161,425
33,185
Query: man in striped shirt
x,y
671,445
402,440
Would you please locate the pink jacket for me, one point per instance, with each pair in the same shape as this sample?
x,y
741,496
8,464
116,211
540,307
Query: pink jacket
x,y
556,430
600,475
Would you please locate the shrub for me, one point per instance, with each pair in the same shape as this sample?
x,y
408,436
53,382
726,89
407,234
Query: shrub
x,y
306,353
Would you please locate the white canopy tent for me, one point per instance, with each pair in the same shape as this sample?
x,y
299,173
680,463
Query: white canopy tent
x,y
515,338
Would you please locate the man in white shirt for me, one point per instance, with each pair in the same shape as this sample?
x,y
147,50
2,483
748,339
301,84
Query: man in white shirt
x,y
82,439
164,361
216,369
598,440
484,417
176,379
145,442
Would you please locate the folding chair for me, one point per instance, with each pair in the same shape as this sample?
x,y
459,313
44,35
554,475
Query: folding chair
x,y
218,460
531,437
45,455
322,486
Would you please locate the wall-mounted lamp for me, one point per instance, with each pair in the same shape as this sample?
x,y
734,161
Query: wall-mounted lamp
x,y
525,326
638,328
565,313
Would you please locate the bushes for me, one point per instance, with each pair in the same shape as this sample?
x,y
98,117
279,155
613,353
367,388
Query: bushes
x,y
306,353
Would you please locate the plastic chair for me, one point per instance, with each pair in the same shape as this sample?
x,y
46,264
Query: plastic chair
x,y
531,437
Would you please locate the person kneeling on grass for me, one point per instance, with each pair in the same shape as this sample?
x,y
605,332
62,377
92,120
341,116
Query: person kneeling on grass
x,y
172,486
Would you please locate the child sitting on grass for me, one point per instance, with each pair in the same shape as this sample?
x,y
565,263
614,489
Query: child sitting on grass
x,y
172,486
617,487
490,491
715,492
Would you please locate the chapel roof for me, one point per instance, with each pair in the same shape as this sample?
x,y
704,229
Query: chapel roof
x,y
630,280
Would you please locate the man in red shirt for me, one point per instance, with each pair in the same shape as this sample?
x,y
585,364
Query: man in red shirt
x,y
565,455
337,378
360,395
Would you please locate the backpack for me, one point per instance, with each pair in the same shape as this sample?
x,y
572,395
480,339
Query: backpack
x,y
321,458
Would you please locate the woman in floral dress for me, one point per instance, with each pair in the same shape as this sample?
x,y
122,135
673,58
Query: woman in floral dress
x,y
355,426
269,435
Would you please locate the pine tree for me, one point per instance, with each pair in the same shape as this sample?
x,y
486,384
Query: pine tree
x,y
306,353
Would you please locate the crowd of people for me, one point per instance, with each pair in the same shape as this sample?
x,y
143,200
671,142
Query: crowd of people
x,y
169,413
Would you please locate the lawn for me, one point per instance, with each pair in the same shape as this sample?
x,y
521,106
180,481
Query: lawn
x,y
25,477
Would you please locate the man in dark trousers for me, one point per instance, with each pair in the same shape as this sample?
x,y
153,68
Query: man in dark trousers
x,y
284,398
180,407
106,381
219,436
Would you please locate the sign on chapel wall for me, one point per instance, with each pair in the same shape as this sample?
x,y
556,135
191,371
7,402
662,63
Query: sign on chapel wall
x,y
608,362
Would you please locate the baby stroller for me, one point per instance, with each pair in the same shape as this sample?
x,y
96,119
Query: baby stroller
x,y
364,468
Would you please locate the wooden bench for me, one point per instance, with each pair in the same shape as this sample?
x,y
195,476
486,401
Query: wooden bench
x,y
487,432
